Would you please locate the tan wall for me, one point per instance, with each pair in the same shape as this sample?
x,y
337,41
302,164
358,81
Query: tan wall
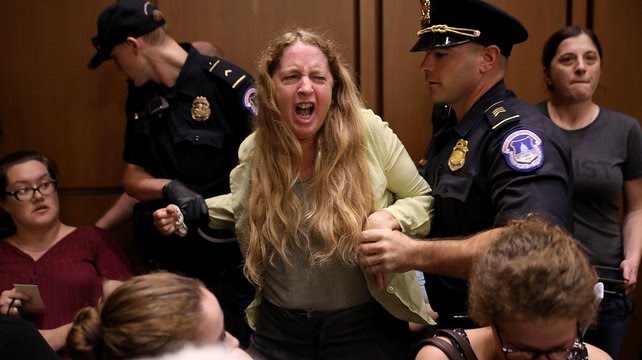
x,y
243,27
51,102
621,84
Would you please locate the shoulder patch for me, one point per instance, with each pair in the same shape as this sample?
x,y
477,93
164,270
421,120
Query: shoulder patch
x,y
249,100
236,77
499,115
523,150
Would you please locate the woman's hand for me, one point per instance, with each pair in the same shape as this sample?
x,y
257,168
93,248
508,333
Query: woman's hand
x,y
12,300
381,219
165,219
630,274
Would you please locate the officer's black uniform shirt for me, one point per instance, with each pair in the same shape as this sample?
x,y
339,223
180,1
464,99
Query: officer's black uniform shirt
x,y
490,189
168,143
163,138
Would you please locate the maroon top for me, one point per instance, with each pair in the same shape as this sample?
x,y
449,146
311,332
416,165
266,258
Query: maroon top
x,y
69,275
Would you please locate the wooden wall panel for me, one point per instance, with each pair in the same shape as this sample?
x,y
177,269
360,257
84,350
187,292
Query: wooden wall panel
x,y
618,28
579,11
83,207
369,53
406,99
541,18
242,28
51,102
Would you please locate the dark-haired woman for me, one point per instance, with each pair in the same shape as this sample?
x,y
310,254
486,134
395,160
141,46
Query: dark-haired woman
x,y
607,164
72,267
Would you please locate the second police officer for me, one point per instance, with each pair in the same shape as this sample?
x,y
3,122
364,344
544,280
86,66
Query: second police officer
x,y
493,159
186,117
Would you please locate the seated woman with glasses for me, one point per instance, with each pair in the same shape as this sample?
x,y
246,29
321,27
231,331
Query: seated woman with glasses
x,y
70,267
533,291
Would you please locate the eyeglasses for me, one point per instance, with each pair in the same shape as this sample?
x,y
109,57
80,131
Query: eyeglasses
x,y
519,354
512,353
27,193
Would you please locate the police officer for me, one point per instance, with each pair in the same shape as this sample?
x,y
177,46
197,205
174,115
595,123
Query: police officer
x,y
186,116
494,157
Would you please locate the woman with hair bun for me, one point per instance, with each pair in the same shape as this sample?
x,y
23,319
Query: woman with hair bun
x,y
149,315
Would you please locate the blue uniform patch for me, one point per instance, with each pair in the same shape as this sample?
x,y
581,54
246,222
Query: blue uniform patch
x,y
249,100
523,150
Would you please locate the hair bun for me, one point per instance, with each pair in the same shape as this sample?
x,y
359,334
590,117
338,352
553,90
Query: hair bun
x,y
85,335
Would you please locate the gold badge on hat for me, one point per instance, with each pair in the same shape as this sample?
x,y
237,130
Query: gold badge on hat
x,y
201,109
458,156
425,13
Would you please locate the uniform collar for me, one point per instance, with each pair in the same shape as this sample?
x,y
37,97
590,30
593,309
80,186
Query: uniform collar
x,y
187,79
191,73
476,112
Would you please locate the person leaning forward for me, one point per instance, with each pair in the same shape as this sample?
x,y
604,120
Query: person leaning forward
x,y
317,170
186,116
494,159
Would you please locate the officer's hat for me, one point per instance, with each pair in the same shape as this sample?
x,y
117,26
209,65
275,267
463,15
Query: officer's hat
x,y
118,21
453,22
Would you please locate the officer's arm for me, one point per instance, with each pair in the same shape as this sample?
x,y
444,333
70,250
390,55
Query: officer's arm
x,y
117,214
454,257
386,250
141,185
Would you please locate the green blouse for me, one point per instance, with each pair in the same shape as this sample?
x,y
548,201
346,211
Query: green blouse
x,y
397,188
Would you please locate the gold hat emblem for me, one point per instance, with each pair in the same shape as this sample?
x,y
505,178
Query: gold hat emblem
x,y
425,13
458,156
201,109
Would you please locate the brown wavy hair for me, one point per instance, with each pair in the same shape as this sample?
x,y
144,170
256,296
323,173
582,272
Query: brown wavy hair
x,y
147,315
338,196
534,271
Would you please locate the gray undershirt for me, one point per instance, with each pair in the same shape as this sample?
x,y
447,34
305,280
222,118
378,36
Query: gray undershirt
x,y
330,286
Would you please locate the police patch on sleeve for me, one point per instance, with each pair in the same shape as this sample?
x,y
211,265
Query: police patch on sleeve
x,y
523,150
249,100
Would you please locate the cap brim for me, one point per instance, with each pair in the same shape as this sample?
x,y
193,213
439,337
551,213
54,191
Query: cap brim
x,y
431,41
98,59
420,45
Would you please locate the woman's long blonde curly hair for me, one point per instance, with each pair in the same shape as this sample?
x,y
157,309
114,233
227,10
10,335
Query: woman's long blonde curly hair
x,y
338,197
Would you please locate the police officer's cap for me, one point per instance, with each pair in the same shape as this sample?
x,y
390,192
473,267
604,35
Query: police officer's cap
x,y
118,21
453,22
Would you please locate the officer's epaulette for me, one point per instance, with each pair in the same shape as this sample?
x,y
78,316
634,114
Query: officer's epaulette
x,y
499,115
230,73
